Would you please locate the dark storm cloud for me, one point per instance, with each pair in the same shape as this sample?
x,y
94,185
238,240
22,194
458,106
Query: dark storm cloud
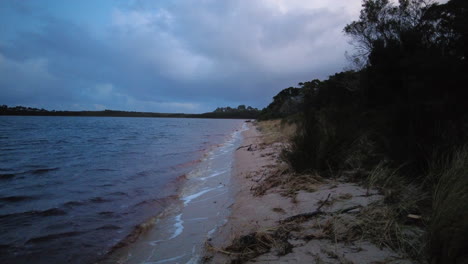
x,y
187,56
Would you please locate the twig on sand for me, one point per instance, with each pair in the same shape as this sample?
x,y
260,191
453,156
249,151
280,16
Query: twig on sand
x,y
249,147
318,212
307,215
323,203
263,175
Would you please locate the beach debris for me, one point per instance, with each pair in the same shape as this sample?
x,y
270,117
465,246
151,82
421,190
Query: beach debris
x,y
278,210
307,215
249,147
289,183
415,217
249,246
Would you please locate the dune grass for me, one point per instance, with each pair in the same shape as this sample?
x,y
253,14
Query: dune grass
x,y
448,229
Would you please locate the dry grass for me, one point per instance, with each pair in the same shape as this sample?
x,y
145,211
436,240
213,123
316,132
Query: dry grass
x,y
247,247
378,223
274,131
280,175
289,183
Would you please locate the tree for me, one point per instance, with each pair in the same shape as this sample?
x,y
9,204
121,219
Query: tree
x,y
382,24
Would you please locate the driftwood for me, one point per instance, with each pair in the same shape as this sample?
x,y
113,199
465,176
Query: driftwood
x,y
307,215
249,147
318,212
246,146
263,175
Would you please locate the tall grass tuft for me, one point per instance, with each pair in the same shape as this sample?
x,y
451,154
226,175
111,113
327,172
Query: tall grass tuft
x,y
448,230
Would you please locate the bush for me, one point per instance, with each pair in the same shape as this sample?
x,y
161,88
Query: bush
x,y
324,140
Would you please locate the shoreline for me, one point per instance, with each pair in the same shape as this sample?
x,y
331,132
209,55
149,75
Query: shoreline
x,y
178,233
265,224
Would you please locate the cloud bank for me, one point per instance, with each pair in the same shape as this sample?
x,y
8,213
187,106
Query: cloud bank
x,y
177,56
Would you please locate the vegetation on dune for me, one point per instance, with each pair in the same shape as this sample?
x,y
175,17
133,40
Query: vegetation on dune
x,y
397,122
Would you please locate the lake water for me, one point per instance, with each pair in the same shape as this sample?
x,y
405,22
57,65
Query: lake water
x,y
73,187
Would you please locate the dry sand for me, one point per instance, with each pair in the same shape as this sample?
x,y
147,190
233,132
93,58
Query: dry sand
x,y
254,218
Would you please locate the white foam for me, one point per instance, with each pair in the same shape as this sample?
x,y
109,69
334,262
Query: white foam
x,y
214,175
197,219
179,226
195,257
165,260
194,260
211,197
211,232
155,242
189,198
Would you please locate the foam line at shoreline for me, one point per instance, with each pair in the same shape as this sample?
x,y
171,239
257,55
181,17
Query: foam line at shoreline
x,y
165,260
179,225
214,175
188,199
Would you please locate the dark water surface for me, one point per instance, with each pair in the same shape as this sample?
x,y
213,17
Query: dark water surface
x,y
72,187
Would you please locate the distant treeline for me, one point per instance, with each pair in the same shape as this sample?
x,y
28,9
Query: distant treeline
x,y
242,112
400,118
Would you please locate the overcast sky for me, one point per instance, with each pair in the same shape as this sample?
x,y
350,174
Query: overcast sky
x,y
166,56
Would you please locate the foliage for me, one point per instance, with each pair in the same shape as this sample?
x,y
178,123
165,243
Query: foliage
x,y
285,103
397,116
242,112
409,99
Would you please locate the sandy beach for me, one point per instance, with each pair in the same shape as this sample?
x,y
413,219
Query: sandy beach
x,y
279,217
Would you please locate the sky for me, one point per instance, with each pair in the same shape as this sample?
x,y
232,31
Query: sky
x,y
187,56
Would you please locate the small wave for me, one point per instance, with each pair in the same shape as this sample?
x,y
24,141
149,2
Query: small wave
x,y
107,214
189,198
102,169
52,212
38,142
7,149
197,219
16,198
98,200
40,171
188,164
73,203
119,194
108,227
6,176
48,212
46,238
168,260
214,175
179,227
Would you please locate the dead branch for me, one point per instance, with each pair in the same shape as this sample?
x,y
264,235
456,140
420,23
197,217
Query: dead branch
x,y
306,215
263,175
317,212
249,147
343,211
323,203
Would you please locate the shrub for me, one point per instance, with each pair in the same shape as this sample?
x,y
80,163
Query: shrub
x,y
324,140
